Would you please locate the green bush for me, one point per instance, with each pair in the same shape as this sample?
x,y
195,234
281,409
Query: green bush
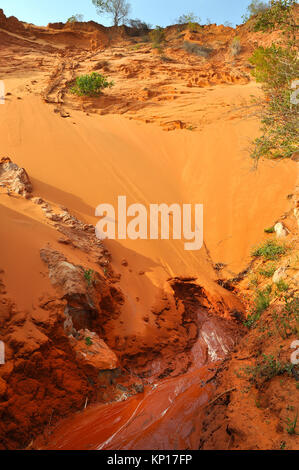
x,y
261,303
286,321
292,425
88,341
270,229
255,8
268,271
270,250
90,85
196,49
235,47
267,368
157,36
139,25
276,67
262,300
191,20
282,286
89,276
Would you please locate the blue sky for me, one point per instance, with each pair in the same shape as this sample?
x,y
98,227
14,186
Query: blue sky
x,y
156,12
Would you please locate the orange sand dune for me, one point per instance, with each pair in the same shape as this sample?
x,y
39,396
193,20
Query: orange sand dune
x,y
83,161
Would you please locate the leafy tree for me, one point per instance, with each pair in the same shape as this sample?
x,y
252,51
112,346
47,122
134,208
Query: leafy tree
x,y
280,14
255,8
117,9
277,68
75,18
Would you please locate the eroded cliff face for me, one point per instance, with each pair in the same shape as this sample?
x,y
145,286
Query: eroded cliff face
x,y
143,324
61,354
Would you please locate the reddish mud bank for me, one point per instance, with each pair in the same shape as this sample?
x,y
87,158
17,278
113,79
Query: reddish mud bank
x,y
168,415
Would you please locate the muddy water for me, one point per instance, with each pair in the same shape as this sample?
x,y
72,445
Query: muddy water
x,y
168,415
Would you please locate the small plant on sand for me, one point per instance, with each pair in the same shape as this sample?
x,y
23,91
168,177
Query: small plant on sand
x,y
89,276
261,303
265,369
88,341
270,230
292,425
262,300
235,47
254,280
268,271
106,273
291,309
282,286
90,85
270,250
286,321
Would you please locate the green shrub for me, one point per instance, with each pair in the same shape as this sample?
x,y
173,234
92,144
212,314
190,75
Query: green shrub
x,y
75,18
88,341
262,300
89,276
287,320
157,36
191,20
267,368
270,250
270,229
196,49
282,286
235,47
255,8
292,425
268,271
90,85
139,25
276,67
261,303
